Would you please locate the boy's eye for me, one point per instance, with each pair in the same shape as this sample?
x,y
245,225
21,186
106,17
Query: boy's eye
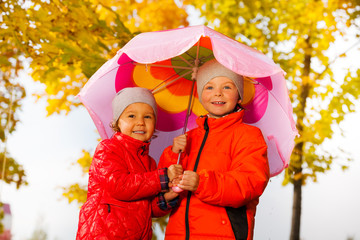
x,y
227,87
131,116
149,117
208,87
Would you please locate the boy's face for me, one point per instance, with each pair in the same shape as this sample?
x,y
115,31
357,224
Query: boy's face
x,y
138,121
220,96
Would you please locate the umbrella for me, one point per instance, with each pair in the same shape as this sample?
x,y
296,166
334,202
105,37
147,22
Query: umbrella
x,y
167,61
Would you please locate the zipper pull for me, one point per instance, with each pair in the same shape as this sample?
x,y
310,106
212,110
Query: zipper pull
x,y
143,149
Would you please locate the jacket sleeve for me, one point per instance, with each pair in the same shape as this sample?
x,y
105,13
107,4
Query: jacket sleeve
x,y
156,211
111,172
168,157
246,180
160,207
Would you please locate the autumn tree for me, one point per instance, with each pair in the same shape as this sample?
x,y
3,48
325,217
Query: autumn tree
x,y
297,35
66,41
11,94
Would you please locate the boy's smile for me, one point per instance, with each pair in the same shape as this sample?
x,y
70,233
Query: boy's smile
x,y
138,121
220,96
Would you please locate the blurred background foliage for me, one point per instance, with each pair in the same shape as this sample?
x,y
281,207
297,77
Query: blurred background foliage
x,y
65,41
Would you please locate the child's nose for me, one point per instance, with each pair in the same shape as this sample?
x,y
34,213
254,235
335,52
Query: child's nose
x,y
140,121
218,92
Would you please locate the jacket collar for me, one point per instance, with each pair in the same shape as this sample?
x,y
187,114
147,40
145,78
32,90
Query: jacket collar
x,y
219,124
132,143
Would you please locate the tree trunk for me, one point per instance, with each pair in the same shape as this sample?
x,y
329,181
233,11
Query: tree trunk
x,y
299,148
296,211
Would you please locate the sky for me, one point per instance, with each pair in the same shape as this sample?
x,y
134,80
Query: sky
x,y
47,147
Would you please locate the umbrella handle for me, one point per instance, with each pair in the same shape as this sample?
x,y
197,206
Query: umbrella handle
x,y
178,161
176,188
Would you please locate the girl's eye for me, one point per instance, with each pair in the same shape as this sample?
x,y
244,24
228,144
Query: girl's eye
x,y
208,87
131,116
227,87
149,117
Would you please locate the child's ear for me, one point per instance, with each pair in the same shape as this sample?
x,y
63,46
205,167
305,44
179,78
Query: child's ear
x,y
239,101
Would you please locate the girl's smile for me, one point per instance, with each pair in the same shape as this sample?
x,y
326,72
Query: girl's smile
x,y
138,121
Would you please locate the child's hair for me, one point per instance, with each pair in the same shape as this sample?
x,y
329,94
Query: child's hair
x,y
115,126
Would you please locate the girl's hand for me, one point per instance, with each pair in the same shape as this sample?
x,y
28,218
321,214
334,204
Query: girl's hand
x,y
174,185
170,195
190,181
174,171
179,144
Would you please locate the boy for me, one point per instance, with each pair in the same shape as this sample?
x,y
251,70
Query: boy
x,y
225,163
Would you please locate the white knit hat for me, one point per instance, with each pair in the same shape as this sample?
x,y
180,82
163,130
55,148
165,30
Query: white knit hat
x,y
131,95
212,69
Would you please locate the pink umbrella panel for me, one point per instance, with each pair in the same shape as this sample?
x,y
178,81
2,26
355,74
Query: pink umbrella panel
x,y
148,61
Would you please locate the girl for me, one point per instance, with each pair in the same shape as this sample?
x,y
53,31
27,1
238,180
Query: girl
x,y
123,179
225,162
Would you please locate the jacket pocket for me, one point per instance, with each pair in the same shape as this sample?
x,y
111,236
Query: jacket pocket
x,y
121,222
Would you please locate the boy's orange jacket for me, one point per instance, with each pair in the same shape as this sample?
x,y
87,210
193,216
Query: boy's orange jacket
x,y
232,164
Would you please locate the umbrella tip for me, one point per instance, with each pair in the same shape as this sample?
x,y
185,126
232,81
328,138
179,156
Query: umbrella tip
x,y
194,73
195,69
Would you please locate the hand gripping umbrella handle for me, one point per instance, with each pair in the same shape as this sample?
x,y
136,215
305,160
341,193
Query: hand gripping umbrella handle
x,y
193,78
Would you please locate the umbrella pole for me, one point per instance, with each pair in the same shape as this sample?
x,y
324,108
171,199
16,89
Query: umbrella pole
x,y
189,107
187,113
193,78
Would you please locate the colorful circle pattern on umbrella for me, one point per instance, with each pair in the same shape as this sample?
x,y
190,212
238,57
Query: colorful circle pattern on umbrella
x,y
266,100
255,108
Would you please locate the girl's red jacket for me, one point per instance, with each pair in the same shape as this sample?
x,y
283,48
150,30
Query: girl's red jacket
x,y
123,183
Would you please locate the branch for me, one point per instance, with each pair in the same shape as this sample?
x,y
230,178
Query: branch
x,y
327,67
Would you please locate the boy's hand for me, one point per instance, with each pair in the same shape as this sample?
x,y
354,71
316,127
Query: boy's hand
x,y
174,171
190,181
179,144
170,195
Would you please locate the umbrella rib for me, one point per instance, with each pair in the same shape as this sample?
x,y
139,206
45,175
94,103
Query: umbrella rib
x,y
186,61
164,81
165,66
190,55
272,94
205,57
154,90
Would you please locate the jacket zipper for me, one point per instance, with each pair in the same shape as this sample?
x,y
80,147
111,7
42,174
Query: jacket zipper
x,y
187,227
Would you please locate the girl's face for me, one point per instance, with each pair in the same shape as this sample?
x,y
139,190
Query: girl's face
x,y
137,121
220,96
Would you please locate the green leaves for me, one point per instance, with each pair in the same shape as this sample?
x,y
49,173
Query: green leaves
x,y
14,172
